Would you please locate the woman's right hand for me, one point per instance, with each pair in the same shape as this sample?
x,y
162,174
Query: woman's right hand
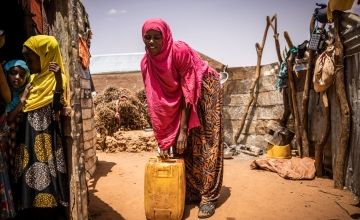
x,y
54,67
164,154
26,93
181,141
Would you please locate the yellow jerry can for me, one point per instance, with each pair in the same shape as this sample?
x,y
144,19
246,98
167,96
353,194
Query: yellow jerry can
x,y
164,188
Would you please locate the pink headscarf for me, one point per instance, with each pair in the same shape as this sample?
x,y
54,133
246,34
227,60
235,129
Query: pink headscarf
x,y
169,77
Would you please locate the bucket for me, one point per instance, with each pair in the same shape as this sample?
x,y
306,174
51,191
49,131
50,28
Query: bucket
x,y
223,77
278,152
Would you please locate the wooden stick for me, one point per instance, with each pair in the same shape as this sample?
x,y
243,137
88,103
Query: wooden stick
x,y
305,105
319,148
305,98
339,166
285,92
291,82
292,92
259,50
287,106
224,68
288,40
273,24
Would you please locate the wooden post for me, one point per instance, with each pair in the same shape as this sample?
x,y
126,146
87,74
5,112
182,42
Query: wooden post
x,y
305,98
287,107
339,166
285,92
305,104
292,93
259,50
295,108
273,24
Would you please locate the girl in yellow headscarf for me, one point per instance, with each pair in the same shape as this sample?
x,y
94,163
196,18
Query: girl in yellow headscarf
x,y
41,168
42,53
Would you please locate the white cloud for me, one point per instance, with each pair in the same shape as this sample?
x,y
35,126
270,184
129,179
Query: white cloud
x,y
112,11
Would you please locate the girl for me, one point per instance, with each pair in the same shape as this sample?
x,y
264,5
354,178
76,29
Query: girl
x,y
41,166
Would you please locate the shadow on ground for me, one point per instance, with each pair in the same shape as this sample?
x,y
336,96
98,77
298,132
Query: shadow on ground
x,y
98,209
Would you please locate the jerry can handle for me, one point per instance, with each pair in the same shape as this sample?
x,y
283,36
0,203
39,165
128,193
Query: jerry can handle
x,y
165,154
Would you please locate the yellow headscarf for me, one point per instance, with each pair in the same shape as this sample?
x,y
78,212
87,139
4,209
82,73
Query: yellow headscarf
x,y
44,83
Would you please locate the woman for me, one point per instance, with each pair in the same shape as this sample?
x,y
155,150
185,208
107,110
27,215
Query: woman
x,y
17,74
184,99
41,166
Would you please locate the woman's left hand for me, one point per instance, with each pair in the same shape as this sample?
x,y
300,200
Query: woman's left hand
x,y
54,67
181,141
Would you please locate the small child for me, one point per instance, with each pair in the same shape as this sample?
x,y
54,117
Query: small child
x,y
17,74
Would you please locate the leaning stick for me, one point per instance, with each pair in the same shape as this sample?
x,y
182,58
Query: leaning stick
x,y
273,24
259,50
305,99
339,166
290,62
285,91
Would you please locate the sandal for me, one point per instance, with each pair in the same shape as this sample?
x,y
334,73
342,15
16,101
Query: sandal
x,y
206,210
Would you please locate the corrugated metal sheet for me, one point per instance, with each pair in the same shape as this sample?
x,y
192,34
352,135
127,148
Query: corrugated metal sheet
x,y
353,89
351,42
110,63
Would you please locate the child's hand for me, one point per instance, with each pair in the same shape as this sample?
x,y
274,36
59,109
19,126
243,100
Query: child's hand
x,y
54,67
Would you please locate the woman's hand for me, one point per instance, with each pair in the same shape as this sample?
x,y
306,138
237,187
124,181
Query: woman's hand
x,y
54,67
164,154
181,141
26,93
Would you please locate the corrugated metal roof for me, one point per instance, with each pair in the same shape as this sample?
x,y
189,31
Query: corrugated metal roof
x,y
110,63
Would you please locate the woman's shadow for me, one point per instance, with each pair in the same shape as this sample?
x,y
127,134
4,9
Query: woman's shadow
x,y
225,193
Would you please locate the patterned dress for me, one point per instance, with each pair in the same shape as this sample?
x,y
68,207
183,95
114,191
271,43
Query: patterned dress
x,y
204,152
12,145
7,209
41,168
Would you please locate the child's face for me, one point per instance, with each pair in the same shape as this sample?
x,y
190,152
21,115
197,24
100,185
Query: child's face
x,y
17,77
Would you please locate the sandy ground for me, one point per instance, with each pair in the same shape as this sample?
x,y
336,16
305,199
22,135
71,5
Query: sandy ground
x,y
117,193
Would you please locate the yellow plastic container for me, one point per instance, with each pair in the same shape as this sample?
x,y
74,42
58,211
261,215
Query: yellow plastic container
x,y
164,188
278,152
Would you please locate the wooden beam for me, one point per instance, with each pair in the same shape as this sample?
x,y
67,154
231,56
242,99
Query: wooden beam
x,y
259,50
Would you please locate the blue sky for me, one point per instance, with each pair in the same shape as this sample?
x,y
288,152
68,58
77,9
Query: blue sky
x,y
225,30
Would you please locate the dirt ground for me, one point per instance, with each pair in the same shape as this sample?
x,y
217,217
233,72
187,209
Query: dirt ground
x,y
116,193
